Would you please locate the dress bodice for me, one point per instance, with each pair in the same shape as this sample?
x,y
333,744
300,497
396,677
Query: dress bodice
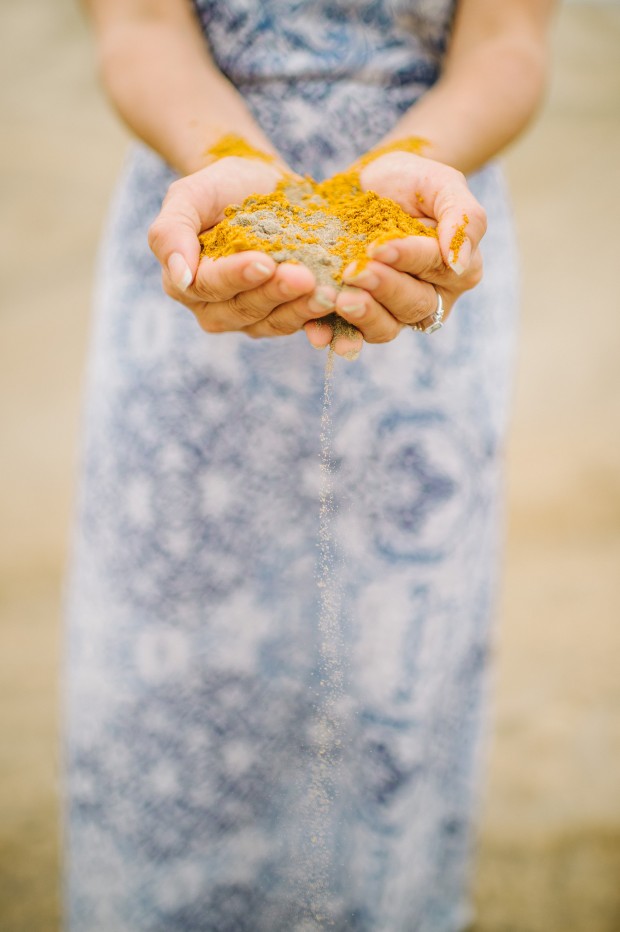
x,y
391,42
328,77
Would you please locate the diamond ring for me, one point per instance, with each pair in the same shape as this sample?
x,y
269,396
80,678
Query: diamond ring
x,y
437,319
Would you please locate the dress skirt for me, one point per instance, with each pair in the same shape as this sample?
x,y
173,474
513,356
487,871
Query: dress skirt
x,y
244,753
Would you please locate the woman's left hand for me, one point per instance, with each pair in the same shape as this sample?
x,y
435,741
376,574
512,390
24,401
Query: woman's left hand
x,y
400,285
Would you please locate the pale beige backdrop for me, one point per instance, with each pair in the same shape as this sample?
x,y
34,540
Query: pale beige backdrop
x,y
550,852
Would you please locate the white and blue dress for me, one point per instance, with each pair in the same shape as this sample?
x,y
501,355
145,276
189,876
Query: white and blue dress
x,y
193,648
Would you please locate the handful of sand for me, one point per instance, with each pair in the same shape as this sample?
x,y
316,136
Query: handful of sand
x,y
324,225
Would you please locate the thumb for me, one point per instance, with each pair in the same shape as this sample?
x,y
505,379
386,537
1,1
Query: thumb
x,y
173,235
461,222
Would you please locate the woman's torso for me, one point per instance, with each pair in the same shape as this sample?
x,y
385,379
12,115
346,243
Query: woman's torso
x,y
327,78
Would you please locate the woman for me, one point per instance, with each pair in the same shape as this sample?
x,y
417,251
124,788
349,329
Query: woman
x,y
197,656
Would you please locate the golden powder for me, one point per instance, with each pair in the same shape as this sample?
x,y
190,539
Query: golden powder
x,y
324,225
413,144
458,239
236,145
334,217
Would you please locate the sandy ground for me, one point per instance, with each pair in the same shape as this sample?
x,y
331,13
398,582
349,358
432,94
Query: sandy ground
x,y
549,856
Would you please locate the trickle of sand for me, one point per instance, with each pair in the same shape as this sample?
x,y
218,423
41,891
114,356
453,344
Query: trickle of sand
x,y
327,576
327,733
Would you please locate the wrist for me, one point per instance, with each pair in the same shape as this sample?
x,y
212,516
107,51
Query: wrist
x,y
395,142
438,118
242,153
229,180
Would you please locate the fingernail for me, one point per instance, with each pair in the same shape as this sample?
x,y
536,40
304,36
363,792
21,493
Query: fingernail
x,y
285,289
459,259
353,310
180,272
257,272
347,348
323,298
365,279
326,334
385,253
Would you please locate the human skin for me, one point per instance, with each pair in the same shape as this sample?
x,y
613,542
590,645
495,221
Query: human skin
x,y
158,72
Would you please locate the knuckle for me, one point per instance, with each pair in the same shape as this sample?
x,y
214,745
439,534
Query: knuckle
x,y
210,324
236,304
421,307
484,221
432,303
429,265
253,333
173,189
242,307
385,335
279,327
156,234
449,200
476,275
205,290
397,300
480,216
168,287
205,293
225,277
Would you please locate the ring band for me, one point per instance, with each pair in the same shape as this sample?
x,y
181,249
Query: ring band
x,y
437,321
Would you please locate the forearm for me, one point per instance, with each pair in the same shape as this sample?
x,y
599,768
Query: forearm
x,y
491,87
158,73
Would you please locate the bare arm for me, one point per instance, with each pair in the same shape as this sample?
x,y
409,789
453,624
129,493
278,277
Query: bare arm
x,y
492,82
158,73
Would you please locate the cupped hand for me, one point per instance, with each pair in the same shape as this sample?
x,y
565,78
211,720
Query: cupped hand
x,y
400,285
245,291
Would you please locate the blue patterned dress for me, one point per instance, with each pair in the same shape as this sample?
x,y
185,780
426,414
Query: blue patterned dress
x,y
195,654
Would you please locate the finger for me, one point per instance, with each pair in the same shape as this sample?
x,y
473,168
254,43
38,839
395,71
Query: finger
x,y
251,311
439,192
289,282
285,320
374,321
173,235
430,320
461,222
421,258
415,255
221,279
443,194
319,332
347,343
186,298
290,317
407,299
334,331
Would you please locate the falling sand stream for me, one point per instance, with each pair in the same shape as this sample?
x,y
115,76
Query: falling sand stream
x,y
326,226
317,816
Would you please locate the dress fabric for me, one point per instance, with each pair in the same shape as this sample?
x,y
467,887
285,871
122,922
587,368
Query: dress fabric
x,y
194,644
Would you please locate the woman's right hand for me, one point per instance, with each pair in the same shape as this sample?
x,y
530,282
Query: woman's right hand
x,y
244,291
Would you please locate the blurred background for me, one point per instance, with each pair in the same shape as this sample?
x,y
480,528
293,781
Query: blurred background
x,y
549,854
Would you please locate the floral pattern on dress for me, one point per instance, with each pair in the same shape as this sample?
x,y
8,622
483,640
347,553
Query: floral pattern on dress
x,y
193,651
